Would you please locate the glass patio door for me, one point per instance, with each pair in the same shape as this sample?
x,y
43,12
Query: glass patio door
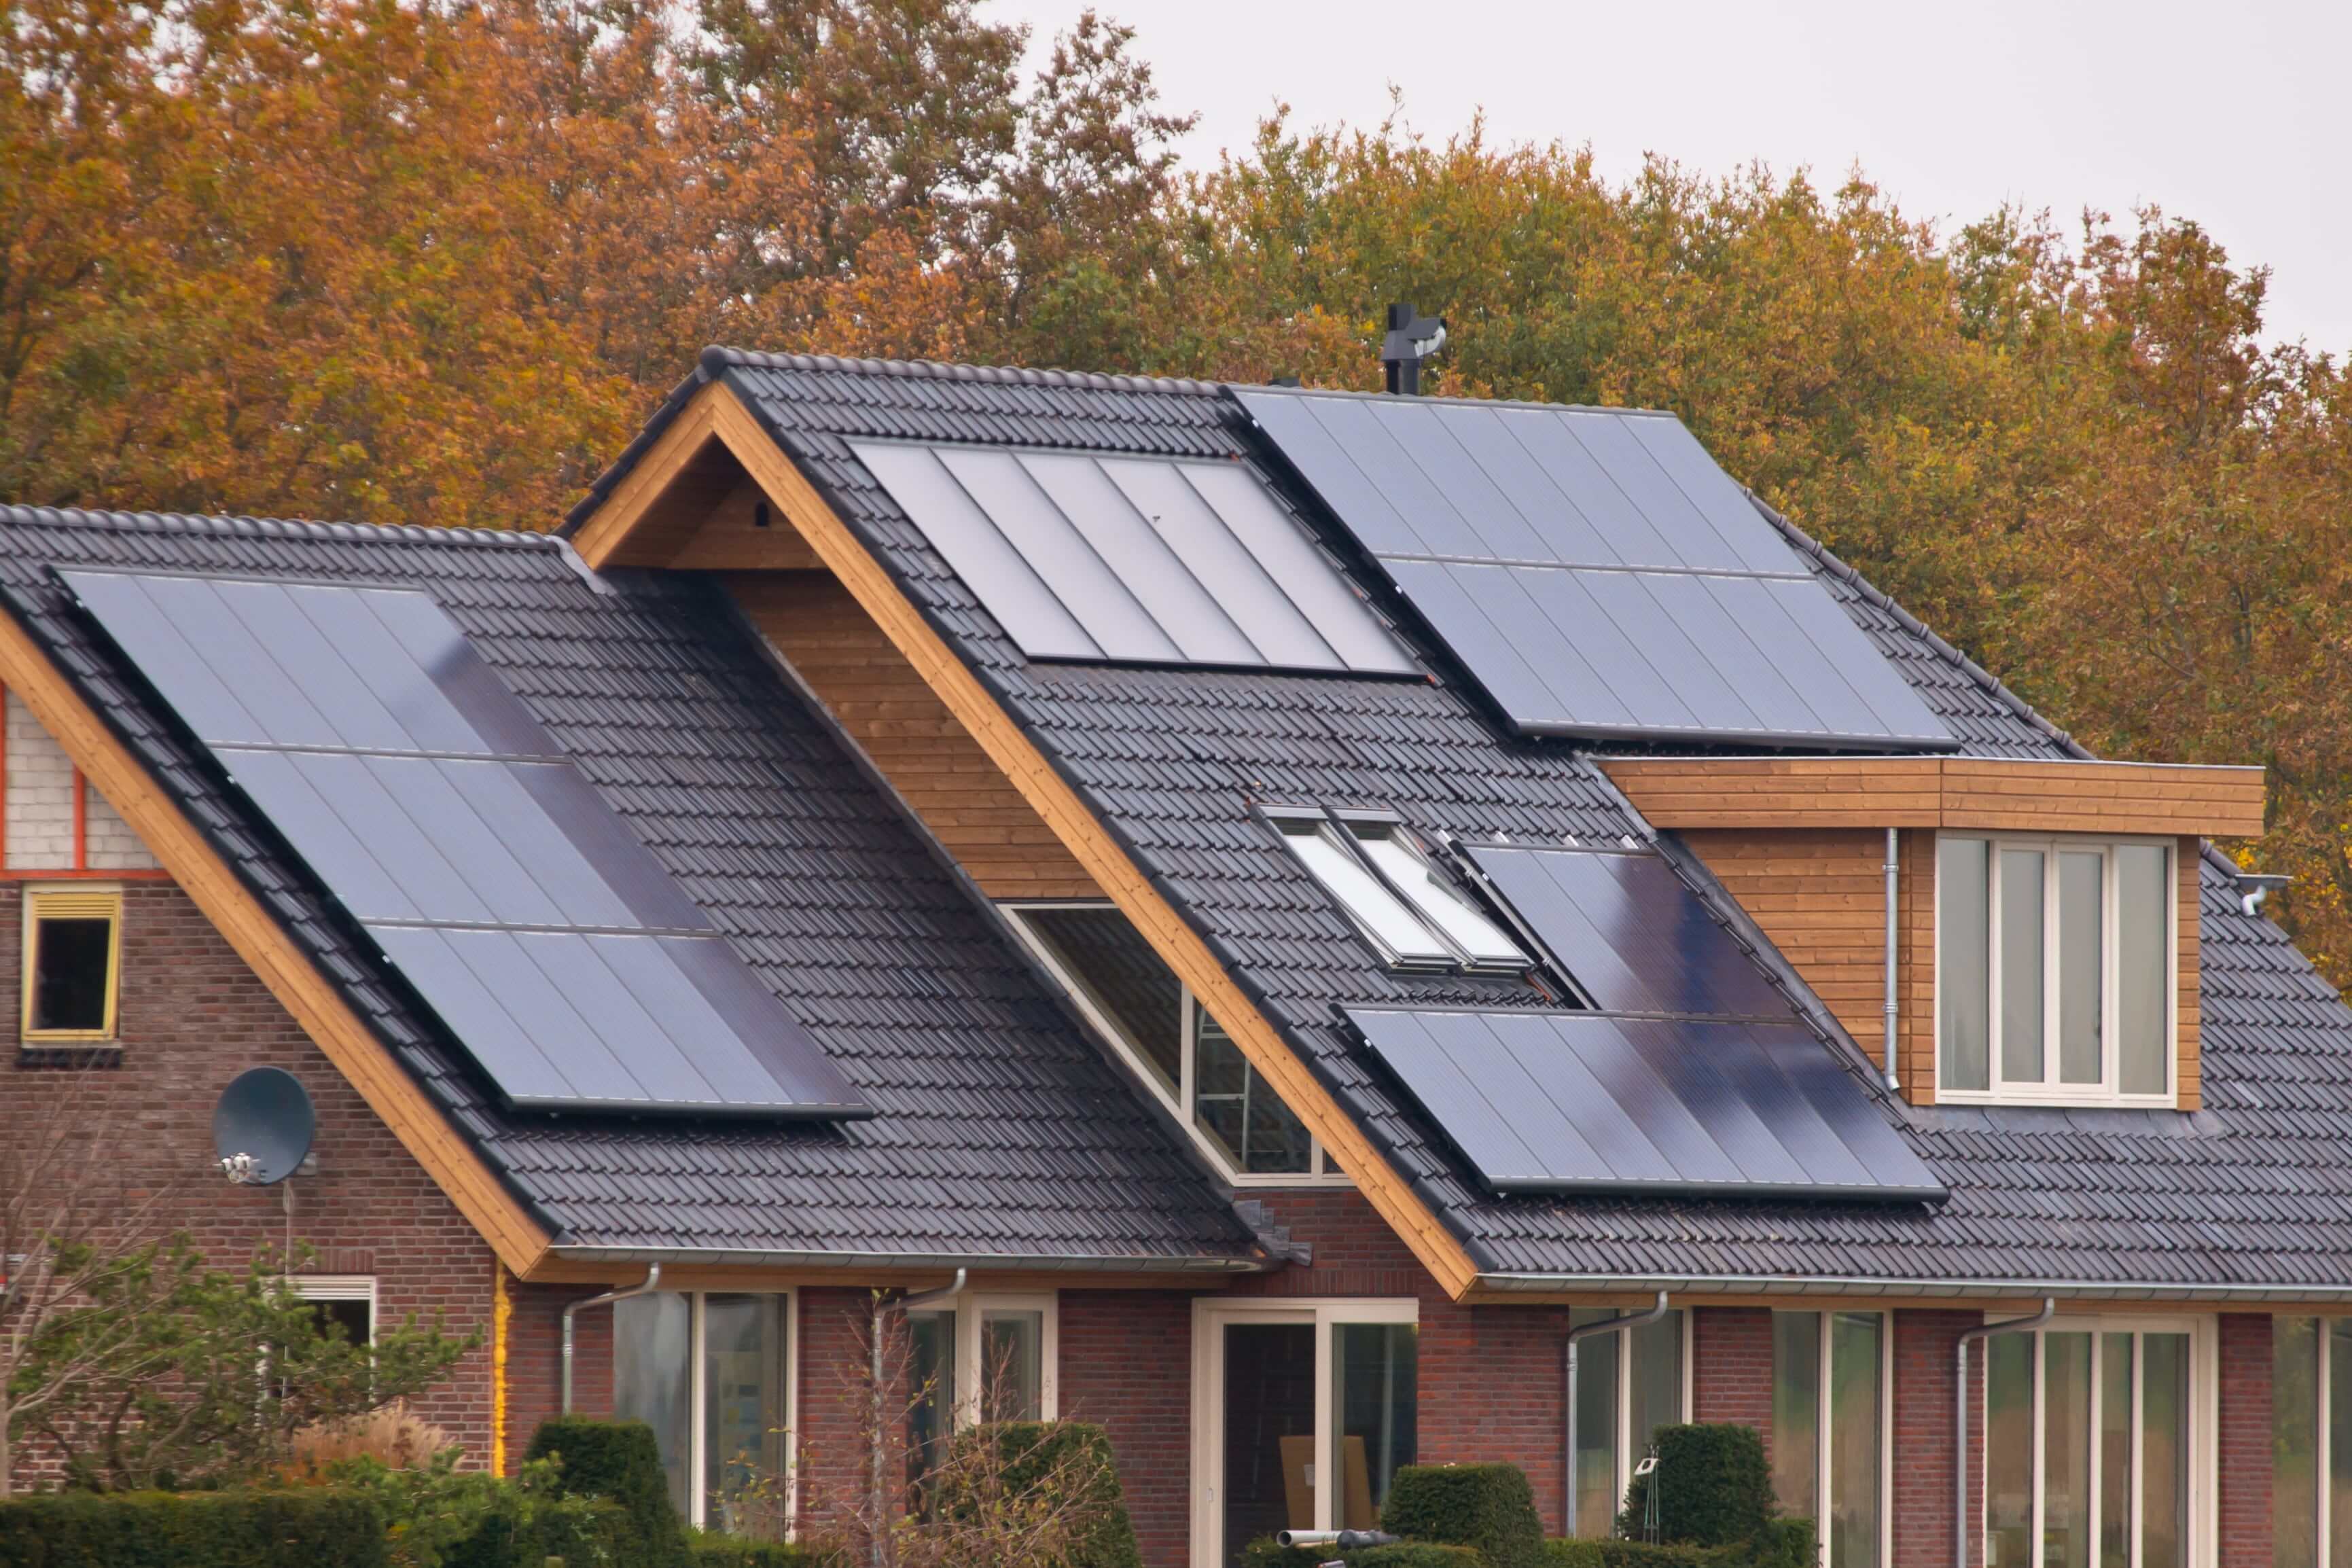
x,y
1302,1413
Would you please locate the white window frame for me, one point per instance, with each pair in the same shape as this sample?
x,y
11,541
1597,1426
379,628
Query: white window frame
x,y
1342,828
2052,1091
970,1310
698,1403
2204,1409
2323,1444
338,1287
1627,1459
1209,1318
1320,1172
1824,1440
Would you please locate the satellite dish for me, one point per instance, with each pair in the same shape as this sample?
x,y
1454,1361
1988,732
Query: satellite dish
x,y
262,1126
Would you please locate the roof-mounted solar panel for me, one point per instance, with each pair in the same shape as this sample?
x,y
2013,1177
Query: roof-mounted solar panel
x,y
1590,1103
1596,571
1630,932
1134,560
434,808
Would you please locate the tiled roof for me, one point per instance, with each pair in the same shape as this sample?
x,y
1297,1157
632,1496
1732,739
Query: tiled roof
x,y
2253,1190
1003,1133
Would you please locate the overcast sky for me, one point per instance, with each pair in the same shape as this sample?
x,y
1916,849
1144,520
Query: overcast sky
x,y
2233,114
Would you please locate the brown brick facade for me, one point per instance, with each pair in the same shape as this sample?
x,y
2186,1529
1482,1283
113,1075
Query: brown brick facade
x,y
193,1016
2245,1440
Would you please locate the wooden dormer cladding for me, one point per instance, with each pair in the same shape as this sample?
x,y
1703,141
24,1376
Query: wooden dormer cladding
x,y
1802,843
929,758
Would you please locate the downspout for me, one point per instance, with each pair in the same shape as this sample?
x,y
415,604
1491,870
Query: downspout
x,y
652,1283
1894,1082
1960,1421
881,1478
1616,1325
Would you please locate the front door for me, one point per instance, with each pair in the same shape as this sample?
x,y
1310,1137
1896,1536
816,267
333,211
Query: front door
x,y
1269,1396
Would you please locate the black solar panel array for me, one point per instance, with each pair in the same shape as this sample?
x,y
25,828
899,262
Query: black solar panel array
x,y
1570,1102
1595,571
442,819
1130,560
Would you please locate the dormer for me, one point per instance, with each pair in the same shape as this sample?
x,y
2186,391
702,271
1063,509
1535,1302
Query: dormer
x,y
2032,940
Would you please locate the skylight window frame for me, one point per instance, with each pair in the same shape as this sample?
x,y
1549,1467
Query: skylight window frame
x,y
1339,826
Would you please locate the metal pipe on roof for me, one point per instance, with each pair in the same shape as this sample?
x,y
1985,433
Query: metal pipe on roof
x,y
1894,1082
1960,1419
1616,1325
652,1282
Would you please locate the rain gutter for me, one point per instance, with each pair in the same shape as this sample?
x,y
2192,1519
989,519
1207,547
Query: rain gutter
x,y
1866,1285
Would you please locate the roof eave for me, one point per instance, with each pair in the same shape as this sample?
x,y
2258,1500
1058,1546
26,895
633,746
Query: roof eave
x,y
1025,1263
2183,1291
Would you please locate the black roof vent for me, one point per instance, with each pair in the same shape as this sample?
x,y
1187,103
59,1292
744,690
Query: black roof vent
x,y
1412,338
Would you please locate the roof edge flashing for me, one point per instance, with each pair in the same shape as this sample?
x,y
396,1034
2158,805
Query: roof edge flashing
x,y
1073,1263
1507,1282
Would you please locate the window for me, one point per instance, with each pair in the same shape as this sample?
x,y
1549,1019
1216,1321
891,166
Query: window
x,y
1311,1407
1628,1385
2054,969
1829,1429
2310,1443
73,951
345,1303
2089,1441
709,1373
1396,895
986,1357
1174,1043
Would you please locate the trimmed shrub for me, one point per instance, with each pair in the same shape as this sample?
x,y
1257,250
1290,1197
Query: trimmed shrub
x,y
1781,1544
1489,1506
618,1460
734,1552
1031,1455
1713,1486
306,1527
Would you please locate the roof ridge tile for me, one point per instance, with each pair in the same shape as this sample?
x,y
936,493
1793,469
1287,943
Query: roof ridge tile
x,y
246,526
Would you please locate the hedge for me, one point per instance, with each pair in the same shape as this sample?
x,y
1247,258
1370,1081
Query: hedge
x,y
1489,1506
1265,1553
1713,1486
1781,1544
619,1460
734,1552
308,1527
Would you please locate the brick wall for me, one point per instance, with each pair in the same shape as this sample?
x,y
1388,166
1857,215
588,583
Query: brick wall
x,y
191,1017
40,804
1926,1346
1127,1362
2245,1440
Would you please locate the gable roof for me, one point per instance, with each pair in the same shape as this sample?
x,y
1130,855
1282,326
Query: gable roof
x,y
1004,1135
2250,1193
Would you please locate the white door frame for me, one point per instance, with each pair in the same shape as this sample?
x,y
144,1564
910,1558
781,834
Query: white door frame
x,y
1209,1318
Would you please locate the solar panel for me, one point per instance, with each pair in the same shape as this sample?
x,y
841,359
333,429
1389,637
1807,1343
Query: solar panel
x,y
1584,1102
1596,571
1631,933
1129,560
438,812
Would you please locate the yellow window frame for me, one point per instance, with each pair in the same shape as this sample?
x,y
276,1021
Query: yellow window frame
x,y
75,903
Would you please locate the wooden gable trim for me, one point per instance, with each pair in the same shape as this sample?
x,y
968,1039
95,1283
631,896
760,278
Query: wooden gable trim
x,y
520,1240
717,409
1992,793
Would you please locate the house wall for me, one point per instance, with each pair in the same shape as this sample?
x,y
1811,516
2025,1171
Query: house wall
x,y
193,1016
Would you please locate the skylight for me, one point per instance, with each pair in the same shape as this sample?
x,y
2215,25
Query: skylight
x,y
1397,897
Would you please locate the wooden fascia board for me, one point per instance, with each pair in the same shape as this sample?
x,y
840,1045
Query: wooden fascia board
x,y
607,530
501,1218
1058,803
1992,794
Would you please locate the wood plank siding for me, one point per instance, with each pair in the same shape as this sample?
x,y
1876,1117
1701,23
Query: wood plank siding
x,y
1995,795
929,758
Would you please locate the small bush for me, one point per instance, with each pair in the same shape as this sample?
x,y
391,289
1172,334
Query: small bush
x,y
1714,1488
441,1517
618,1460
307,1527
1489,1506
1056,1471
1781,1544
